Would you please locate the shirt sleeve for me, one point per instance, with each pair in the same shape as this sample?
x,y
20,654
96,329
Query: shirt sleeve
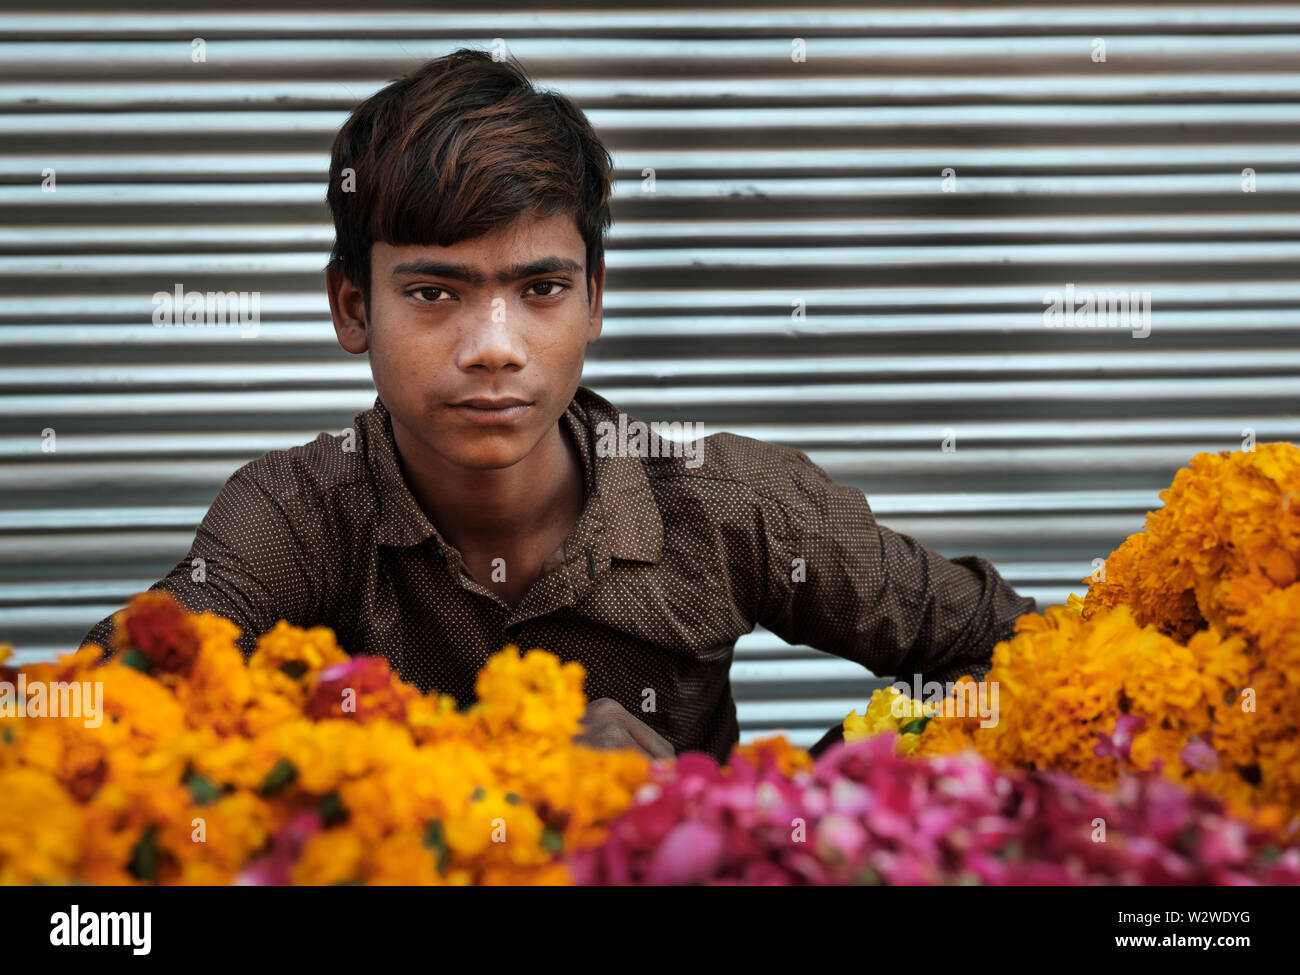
x,y
247,563
840,582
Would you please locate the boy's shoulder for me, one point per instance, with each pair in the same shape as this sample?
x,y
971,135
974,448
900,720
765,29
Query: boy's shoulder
x,y
319,469
682,454
746,463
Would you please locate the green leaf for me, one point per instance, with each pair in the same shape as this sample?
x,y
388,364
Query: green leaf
x,y
202,788
915,726
331,809
870,877
136,660
436,840
280,775
433,838
552,840
144,857
293,668
9,735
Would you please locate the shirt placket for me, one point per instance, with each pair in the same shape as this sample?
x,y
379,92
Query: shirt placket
x,y
585,553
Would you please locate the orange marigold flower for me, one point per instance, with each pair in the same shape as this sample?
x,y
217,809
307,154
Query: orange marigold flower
x,y
41,829
296,652
332,856
1191,631
532,693
775,751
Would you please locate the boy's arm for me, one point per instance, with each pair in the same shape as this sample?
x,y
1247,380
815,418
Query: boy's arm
x,y
255,567
873,595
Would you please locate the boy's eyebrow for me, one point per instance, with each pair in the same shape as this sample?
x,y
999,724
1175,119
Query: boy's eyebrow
x,y
463,272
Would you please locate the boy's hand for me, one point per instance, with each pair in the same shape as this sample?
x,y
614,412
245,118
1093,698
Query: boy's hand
x,y
607,724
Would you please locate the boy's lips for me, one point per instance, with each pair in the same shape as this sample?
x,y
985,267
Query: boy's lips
x,y
492,403
486,410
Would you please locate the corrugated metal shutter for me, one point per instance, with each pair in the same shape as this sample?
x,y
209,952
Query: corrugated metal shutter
x,y
776,181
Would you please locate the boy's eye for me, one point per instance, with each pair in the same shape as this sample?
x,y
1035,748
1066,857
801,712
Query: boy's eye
x,y
428,293
551,285
424,291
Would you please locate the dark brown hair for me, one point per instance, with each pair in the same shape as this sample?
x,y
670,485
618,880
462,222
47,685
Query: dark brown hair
x,y
457,148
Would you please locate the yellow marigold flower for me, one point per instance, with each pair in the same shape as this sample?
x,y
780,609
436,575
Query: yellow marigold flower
x,y
297,651
554,874
276,700
436,716
496,828
403,860
139,704
786,757
532,694
908,744
330,857
235,828
888,710
1117,583
219,686
855,726
323,752
944,736
41,829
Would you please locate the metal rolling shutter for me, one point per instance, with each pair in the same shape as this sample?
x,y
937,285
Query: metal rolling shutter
x,y
776,181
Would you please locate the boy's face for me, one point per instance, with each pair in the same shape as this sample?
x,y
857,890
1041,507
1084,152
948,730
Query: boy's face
x,y
502,317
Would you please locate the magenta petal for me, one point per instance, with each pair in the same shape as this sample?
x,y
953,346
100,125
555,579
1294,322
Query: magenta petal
x,y
340,671
1120,740
265,872
689,854
1200,755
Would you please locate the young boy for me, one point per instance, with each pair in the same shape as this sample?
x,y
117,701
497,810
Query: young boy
x,y
487,498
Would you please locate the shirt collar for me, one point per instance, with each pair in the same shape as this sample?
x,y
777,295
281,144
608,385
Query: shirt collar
x,y
618,486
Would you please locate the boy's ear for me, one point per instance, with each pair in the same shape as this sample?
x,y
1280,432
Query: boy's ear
x,y
594,303
348,309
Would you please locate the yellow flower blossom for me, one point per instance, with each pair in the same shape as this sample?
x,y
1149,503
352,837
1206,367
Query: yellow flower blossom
x,y
197,768
1193,627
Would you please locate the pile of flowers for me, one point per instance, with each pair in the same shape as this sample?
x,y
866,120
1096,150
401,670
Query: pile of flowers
x,y
1183,660
304,765
865,814
299,765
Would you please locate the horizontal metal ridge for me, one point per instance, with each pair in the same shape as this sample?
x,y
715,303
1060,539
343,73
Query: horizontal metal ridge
x,y
666,19
684,308
288,166
748,371
178,93
760,125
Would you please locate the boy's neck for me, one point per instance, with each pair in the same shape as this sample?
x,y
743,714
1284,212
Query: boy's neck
x,y
497,510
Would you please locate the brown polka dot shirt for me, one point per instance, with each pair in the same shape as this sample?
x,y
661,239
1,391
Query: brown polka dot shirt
x,y
674,557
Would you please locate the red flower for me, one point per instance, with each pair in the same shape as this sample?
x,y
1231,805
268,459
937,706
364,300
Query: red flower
x,y
159,627
362,689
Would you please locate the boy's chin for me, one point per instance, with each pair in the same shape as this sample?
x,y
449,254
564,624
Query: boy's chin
x,y
501,453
